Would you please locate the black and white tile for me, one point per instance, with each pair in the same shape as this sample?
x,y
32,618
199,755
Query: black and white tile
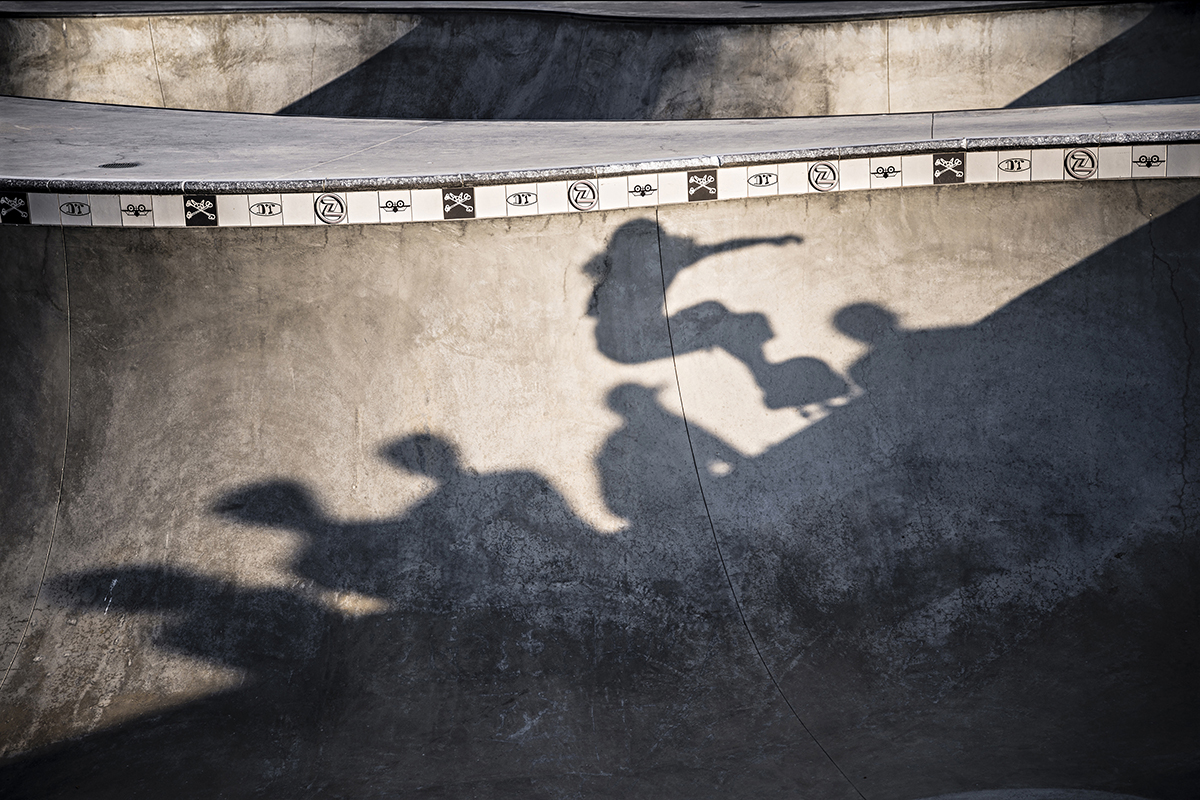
x,y
1106,162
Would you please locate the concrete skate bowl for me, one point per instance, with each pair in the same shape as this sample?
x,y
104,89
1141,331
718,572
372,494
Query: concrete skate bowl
x,y
821,458
598,60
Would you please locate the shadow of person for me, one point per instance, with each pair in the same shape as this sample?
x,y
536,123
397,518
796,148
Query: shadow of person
x,y
647,471
874,326
508,623
630,278
453,544
628,303
794,383
264,631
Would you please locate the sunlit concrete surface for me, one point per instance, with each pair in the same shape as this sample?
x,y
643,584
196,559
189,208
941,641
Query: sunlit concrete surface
x,y
53,145
868,493
599,61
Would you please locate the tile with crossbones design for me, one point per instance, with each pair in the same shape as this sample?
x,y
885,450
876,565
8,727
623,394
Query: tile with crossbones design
x,y
14,209
459,203
949,168
702,185
199,209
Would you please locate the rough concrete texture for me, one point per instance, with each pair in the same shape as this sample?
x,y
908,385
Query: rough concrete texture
x,y
415,511
496,65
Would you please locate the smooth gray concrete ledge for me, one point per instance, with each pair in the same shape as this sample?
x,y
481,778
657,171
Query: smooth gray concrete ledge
x,y
57,146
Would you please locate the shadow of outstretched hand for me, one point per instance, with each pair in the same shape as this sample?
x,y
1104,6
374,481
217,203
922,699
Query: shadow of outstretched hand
x,y
263,630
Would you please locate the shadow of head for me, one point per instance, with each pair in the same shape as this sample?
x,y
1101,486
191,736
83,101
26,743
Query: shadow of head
x,y
865,322
276,504
424,454
631,399
635,233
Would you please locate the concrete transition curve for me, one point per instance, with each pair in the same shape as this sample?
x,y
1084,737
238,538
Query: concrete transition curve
x,y
682,60
822,458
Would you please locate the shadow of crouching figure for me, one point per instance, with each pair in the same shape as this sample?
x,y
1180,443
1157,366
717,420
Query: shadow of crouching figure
x,y
493,613
474,539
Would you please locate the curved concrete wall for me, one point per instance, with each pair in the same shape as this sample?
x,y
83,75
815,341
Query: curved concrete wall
x,y
864,487
510,66
368,510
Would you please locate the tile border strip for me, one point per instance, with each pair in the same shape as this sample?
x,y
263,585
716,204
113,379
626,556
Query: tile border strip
x,y
700,180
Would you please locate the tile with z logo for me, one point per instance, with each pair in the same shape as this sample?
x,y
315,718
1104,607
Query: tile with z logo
x,y
1081,163
330,208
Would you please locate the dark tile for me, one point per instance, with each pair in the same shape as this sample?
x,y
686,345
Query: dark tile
x,y
459,203
14,208
199,209
949,168
702,185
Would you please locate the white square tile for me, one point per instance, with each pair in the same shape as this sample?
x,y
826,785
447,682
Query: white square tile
x,y
298,209
980,167
1183,160
793,178
168,211
233,210
583,194
106,209
265,209
552,198
1047,165
75,209
886,172
137,210
427,205
1080,163
521,199
643,190
43,209
1116,161
395,205
328,208
916,170
672,187
1148,161
855,173
762,181
490,202
362,208
1014,165
825,176
731,183
614,193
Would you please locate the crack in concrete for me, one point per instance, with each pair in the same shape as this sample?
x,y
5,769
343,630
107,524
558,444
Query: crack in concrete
x,y
1185,398
62,476
713,528
157,74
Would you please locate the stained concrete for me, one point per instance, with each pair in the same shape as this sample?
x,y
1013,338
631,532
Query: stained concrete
x,y
885,494
50,146
504,64
34,368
